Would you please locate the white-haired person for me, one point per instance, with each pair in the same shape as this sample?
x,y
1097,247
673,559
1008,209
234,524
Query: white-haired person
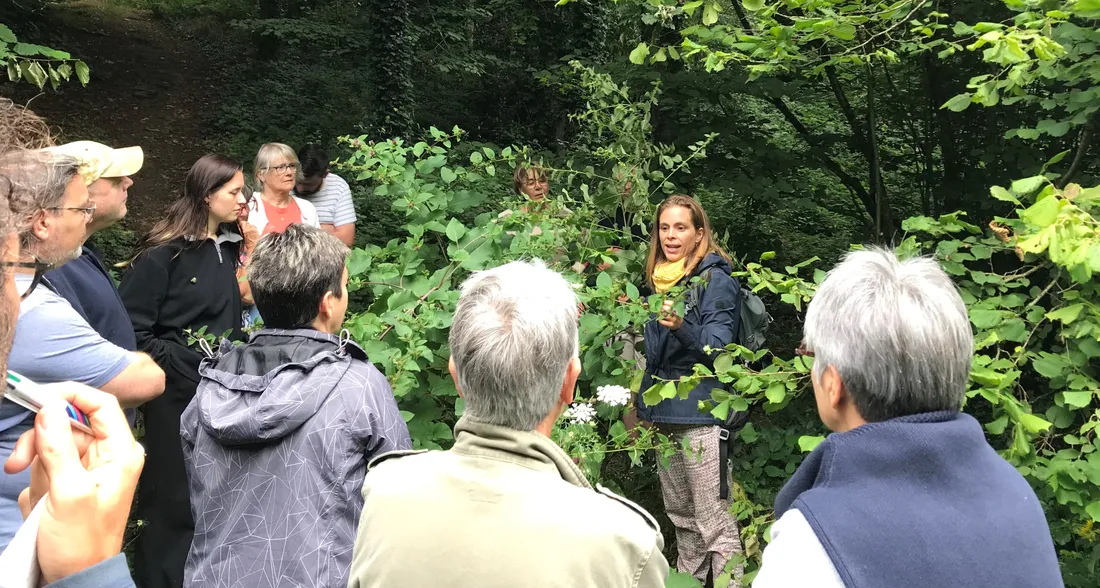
x,y
906,492
505,506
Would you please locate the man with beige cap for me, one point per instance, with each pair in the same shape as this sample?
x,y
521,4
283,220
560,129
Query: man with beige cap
x,y
85,281
50,203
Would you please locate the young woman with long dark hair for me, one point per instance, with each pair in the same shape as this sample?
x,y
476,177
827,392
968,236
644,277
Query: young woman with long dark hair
x,y
182,279
681,248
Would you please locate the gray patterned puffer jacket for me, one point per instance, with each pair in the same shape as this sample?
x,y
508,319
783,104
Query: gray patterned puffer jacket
x,y
276,443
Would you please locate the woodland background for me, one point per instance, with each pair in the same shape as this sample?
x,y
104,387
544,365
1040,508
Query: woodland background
x,y
963,129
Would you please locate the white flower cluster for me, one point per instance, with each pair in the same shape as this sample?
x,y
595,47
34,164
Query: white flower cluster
x,y
581,413
613,395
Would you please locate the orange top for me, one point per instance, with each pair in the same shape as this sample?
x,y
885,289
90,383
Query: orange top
x,y
278,219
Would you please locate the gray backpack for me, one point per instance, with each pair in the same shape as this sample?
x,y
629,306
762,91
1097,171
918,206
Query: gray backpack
x,y
755,320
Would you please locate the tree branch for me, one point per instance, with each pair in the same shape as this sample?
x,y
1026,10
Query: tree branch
x,y
854,185
1082,148
846,107
877,188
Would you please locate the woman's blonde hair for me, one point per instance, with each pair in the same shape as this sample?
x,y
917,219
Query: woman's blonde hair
x,y
699,220
268,155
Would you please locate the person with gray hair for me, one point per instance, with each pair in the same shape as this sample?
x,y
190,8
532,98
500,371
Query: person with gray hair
x,y
47,193
906,492
274,208
504,506
277,438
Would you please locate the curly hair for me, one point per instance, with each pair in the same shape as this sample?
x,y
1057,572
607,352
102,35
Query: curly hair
x,y
22,129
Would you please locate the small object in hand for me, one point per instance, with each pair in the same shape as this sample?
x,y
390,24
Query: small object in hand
x,y
30,396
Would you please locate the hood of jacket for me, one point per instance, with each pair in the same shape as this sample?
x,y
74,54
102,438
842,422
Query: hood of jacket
x,y
265,389
713,261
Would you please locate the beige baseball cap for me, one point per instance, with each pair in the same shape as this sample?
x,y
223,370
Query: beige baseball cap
x,y
100,161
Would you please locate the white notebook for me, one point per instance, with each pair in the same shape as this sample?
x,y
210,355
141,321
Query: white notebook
x,y
19,561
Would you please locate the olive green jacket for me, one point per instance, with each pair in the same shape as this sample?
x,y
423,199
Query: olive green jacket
x,y
501,509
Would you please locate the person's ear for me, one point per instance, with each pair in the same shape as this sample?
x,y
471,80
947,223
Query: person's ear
x,y
834,388
327,307
454,376
40,225
572,372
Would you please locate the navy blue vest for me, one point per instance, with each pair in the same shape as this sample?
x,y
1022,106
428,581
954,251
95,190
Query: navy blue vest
x,y
922,501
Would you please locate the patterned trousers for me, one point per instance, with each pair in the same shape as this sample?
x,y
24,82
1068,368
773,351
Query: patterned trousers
x,y
706,533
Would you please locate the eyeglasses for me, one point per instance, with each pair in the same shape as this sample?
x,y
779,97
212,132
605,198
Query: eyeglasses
x,y
89,211
23,287
802,353
284,168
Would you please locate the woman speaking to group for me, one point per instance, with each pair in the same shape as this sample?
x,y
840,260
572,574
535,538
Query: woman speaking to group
x,y
681,248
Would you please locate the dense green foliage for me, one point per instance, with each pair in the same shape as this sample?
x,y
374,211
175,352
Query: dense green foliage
x,y
804,126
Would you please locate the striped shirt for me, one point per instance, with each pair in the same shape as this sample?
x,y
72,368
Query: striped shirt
x,y
333,202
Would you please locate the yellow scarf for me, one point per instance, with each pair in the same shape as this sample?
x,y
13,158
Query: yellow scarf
x,y
667,274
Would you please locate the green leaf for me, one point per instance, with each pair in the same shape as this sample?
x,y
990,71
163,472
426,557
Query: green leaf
x,y
986,319
767,255
1066,314
691,7
35,74
721,411
638,55
1001,194
748,433
1033,424
681,580
652,395
1043,213
1028,185
447,174
632,291
455,230
1050,366
6,36
776,393
1077,398
408,416
710,13
844,31
1093,510
808,443
723,363
603,280
617,430
997,427
1087,8
753,5
958,103
82,72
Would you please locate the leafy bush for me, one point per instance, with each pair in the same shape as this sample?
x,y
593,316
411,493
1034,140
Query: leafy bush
x,y
1027,282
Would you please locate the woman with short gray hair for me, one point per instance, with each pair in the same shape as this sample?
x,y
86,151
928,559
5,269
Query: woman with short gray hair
x,y
274,208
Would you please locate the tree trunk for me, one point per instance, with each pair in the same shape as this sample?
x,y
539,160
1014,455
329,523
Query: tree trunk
x,y
267,45
391,55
